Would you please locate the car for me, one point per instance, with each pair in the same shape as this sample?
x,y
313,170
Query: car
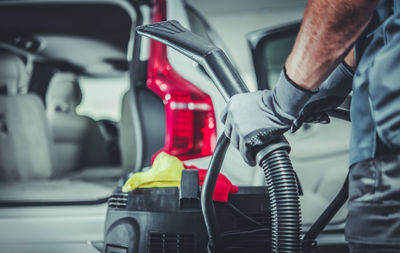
x,y
112,101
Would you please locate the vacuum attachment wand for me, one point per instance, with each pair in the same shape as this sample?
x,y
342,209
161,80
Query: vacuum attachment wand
x,y
212,58
274,159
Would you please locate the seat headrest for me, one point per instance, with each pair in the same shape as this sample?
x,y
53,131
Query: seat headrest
x,y
14,75
64,93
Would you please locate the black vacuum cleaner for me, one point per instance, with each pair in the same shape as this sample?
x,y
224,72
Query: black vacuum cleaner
x,y
255,219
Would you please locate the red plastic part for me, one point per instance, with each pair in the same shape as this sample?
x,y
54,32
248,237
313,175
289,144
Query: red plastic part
x,y
223,187
190,120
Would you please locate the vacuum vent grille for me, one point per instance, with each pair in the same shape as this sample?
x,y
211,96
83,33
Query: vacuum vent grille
x,y
171,243
118,200
260,239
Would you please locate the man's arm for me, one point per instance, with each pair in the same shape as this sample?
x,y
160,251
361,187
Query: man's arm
x,y
328,31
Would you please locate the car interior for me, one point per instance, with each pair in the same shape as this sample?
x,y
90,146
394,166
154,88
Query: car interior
x,y
25,132
78,140
44,142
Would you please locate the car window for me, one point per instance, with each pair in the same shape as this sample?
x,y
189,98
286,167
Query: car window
x,y
275,53
101,97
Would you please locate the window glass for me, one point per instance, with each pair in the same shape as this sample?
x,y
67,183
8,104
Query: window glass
x,y
101,98
275,53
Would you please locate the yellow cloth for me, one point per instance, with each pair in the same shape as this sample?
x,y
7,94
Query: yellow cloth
x,y
165,172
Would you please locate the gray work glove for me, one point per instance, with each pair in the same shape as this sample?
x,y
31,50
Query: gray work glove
x,y
331,94
252,120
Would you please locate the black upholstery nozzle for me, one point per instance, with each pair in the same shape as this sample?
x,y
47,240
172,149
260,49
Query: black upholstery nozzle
x,y
212,58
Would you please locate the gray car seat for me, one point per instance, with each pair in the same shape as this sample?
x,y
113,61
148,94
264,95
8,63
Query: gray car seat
x,y
25,142
78,139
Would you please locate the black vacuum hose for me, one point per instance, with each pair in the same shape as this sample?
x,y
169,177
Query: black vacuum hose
x,y
284,201
283,196
215,243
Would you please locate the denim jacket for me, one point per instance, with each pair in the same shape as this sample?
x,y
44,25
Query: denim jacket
x,y
375,106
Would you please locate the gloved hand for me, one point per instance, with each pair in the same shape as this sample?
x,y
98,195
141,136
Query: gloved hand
x,y
254,119
331,94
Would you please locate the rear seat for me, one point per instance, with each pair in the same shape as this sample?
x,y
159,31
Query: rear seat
x,y
26,150
127,140
78,140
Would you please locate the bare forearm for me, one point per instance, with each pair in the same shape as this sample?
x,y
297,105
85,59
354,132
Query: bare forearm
x,y
329,29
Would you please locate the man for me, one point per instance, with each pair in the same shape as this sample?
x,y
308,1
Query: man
x,y
317,77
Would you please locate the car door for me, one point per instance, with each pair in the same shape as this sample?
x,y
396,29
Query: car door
x,y
319,152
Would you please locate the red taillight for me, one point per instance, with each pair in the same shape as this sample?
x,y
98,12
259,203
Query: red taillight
x,y
190,120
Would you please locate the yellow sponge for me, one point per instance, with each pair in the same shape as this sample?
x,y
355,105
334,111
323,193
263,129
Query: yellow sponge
x,y
165,172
